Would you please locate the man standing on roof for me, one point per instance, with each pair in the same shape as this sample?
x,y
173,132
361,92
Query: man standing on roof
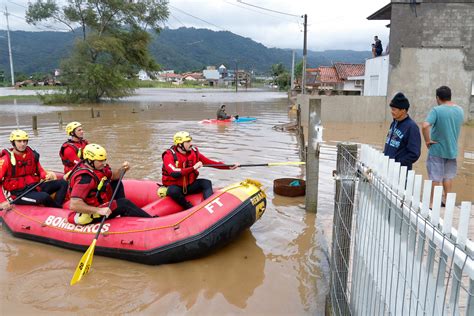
x,y
180,170
20,170
378,46
71,150
91,187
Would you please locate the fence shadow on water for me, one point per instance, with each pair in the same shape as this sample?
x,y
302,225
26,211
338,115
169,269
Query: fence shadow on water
x,y
391,253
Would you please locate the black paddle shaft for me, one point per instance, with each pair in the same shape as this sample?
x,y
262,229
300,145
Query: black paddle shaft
x,y
247,165
122,173
26,192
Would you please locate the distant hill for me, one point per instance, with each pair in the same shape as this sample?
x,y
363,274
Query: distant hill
x,y
183,49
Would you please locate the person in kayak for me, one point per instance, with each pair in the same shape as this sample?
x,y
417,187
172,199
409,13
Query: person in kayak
x,y
221,113
91,187
181,163
20,170
71,150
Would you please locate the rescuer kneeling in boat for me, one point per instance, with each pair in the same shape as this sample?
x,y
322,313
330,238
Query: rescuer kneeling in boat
x,y
91,186
71,150
20,170
180,170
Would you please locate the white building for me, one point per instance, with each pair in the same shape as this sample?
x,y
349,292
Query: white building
x,y
376,76
142,75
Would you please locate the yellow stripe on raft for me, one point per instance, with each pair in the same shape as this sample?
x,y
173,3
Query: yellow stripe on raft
x,y
244,189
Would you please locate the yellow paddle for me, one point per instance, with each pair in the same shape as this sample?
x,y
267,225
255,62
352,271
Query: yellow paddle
x,y
86,261
270,164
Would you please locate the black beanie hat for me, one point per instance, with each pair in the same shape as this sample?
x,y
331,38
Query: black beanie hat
x,y
400,101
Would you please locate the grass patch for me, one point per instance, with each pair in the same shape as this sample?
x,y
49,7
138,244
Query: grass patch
x,y
19,97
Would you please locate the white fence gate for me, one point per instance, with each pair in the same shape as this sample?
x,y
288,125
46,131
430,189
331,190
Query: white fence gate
x,y
404,258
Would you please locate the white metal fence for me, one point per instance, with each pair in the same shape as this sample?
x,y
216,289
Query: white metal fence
x,y
404,258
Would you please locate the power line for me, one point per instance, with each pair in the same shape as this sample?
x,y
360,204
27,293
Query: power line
x,y
259,12
42,27
262,8
174,17
20,5
197,17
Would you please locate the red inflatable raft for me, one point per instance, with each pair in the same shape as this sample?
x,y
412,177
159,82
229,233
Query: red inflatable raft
x,y
174,236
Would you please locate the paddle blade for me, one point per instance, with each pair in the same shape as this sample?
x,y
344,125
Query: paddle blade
x,y
85,264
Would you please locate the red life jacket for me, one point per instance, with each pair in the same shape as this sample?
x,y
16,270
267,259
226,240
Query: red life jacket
x,y
23,172
181,161
78,147
97,196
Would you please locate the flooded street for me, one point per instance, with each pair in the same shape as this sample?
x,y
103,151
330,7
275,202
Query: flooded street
x,y
279,266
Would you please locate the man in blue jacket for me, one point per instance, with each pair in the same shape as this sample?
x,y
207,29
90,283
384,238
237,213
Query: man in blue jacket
x,y
403,141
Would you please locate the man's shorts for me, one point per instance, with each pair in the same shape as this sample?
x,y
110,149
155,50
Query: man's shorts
x,y
440,169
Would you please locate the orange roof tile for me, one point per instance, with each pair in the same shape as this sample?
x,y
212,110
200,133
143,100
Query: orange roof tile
x,y
349,70
328,75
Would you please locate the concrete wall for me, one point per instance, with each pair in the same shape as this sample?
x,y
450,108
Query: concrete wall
x,y
432,23
376,76
342,108
422,70
432,44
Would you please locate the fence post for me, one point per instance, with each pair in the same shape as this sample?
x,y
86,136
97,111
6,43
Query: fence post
x,y
300,133
342,224
34,122
312,155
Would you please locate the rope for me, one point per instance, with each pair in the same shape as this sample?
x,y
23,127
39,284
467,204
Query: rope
x,y
243,183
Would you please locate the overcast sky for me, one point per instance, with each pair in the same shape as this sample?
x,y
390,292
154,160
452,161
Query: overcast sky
x,y
332,24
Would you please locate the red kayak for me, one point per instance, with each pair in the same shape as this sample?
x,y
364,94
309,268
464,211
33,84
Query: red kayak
x,y
227,121
174,236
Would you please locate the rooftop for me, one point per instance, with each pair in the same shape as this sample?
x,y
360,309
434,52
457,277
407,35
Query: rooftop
x,y
345,70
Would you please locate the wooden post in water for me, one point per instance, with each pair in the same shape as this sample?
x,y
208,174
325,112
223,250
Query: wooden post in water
x,y
300,134
60,118
35,122
92,112
312,155
342,224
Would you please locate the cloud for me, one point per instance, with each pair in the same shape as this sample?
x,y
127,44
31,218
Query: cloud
x,y
336,24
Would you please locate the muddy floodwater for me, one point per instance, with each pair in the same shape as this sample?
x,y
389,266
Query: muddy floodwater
x,y
279,266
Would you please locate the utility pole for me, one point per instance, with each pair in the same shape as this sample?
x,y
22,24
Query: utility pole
x,y
303,75
236,76
10,48
292,84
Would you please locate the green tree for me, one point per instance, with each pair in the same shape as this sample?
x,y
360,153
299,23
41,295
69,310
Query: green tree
x,y
299,70
113,45
281,76
278,69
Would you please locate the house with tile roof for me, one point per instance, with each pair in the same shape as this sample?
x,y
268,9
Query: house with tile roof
x,y
353,77
341,78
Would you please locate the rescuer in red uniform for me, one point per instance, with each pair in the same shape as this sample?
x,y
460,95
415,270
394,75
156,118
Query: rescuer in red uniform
x,y
180,170
91,186
71,150
20,170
